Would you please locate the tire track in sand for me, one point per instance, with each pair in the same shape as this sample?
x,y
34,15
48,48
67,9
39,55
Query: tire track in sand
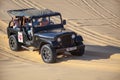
x,y
108,11
115,25
100,14
101,37
11,55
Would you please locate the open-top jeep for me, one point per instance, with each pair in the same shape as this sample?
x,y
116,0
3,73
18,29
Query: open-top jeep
x,y
43,30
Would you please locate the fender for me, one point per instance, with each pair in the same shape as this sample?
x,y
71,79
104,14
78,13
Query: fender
x,y
79,38
53,44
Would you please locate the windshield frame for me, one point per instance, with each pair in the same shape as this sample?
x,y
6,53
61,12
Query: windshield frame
x,y
48,27
60,18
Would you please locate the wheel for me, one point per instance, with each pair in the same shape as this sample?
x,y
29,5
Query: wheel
x,y
79,52
13,43
48,54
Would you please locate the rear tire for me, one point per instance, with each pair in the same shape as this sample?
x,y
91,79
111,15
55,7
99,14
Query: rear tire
x,y
13,43
48,54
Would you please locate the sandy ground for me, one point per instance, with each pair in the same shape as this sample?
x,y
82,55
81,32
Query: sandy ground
x,y
98,21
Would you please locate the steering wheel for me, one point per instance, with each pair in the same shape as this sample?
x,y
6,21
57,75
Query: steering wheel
x,y
51,22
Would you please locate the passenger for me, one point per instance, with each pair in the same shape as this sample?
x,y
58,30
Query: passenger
x,y
36,22
28,25
44,22
12,23
16,23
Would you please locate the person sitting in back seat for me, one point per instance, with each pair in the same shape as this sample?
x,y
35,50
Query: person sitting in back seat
x,y
16,23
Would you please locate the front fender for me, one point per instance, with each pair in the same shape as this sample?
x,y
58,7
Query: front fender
x,y
79,39
46,41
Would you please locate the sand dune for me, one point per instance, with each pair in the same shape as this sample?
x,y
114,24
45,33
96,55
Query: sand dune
x,y
96,20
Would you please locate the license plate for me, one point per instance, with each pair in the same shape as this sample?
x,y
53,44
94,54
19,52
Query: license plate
x,y
71,48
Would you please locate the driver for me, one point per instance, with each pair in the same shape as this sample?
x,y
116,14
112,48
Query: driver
x,y
44,22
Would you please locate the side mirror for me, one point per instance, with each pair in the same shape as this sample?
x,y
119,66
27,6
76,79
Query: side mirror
x,y
64,22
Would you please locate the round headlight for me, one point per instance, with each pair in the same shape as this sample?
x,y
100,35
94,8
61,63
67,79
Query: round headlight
x,y
73,36
58,39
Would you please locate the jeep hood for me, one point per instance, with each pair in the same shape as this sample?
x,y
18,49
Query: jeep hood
x,y
52,35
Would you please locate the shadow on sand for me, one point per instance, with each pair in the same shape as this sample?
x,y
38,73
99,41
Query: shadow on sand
x,y
93,52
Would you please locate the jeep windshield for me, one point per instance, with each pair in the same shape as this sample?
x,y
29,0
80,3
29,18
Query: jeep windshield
x,y
46,21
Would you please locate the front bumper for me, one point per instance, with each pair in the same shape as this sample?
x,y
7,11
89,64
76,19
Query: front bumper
x,y
70,48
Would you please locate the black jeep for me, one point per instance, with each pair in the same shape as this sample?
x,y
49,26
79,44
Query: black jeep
x,y
44,30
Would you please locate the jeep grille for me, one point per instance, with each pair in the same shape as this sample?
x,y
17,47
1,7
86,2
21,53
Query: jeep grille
x,y
66,41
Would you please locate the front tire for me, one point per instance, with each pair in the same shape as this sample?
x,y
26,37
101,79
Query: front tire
x,y
13,43
48,54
